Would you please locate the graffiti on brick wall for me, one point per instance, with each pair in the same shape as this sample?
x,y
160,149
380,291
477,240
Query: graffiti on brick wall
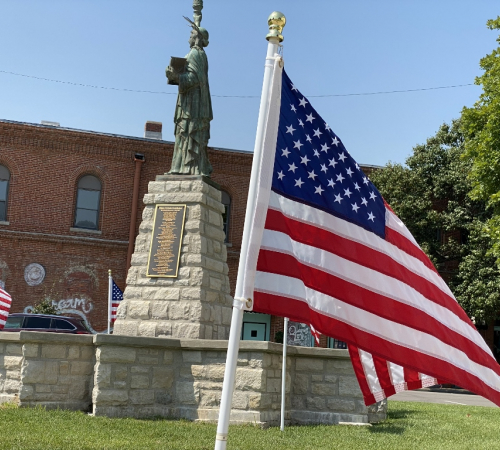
x,y
299,334
74,306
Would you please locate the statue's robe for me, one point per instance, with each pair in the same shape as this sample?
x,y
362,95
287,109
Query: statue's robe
x,y
193,114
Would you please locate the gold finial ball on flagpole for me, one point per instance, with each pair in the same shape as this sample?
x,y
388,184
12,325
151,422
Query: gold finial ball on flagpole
x,y
276,22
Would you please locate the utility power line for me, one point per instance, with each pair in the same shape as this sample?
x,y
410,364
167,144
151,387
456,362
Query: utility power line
x,y
229,96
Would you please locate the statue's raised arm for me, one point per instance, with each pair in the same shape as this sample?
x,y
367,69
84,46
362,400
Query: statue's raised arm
x,y
193,111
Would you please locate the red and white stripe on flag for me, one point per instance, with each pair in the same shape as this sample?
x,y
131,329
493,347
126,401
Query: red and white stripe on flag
x,y
324,249
379,379
5,302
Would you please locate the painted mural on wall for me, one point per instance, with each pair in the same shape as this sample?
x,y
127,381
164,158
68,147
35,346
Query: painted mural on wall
x,y
75,294
298,334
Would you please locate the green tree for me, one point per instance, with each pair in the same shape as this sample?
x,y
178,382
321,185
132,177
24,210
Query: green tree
x,y
431,196
44,307
481,129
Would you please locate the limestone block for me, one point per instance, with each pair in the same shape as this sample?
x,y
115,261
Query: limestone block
x,y
63,367
174,197
273,385
148,213
215,233
164,329
81,368
30,350
212,296
14,349
250,379
191,357
339,366
126,327
147,329
86,352
186,330
78,390
316,377
349,387
215,218
119,372
139,382
109,397
341,405
214,193
132,293
180,311
172,186
331,378
226,315
2,348
26,392
217,205
160,293
11,362
115,354
187,393
149,199
301,384
12,385
211,398
309,364
215,284
212,264
138,310
155,187
40,388
139,259
197,244
215,372
102,375
240,400
159,310
74,352
315,403
194,259
210,247
192,294
324,389
194,226
187,186
163,378
43,372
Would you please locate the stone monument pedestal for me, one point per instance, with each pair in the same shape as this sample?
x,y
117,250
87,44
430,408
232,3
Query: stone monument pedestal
x,y
196,303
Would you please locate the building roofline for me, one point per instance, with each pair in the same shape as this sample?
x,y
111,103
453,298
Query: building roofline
x,y
119,136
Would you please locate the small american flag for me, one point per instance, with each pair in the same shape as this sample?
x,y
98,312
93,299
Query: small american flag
x,y
116,298
5,302
333,254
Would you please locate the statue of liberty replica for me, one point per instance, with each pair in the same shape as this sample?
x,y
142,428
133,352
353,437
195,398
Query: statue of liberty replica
x,y
193,111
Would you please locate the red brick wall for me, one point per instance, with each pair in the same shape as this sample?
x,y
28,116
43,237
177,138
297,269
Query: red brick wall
x,y
45,164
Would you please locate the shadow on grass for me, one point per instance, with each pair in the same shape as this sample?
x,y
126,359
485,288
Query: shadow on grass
x,y
392,428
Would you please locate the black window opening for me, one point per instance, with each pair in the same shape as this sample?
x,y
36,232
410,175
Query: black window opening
x,y
37,322
60,324
4,192
88,202
226,201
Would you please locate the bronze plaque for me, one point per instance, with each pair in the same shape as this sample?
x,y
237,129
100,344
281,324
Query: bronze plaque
x,y
166,241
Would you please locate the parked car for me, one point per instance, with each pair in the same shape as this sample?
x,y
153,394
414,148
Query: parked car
x,y
45,322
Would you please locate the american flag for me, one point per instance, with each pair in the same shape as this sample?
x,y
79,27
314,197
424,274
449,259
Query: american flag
x,y
116,298
5,302
333,254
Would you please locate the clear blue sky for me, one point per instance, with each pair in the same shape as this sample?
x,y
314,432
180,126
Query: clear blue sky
x,y
330,47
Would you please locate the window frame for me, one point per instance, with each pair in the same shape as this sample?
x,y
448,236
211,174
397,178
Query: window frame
x,y
99,202
227,212
9,174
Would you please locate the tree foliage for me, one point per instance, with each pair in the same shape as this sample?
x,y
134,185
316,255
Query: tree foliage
x,y
45,306
431,196
481,129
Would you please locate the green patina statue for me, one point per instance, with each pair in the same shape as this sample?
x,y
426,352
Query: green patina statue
x,y
193,111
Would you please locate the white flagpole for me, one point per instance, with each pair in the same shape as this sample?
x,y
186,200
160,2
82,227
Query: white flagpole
x,y
283,374
110,296
273,38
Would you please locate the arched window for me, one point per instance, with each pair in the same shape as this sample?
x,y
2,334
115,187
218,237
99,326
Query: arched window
x,y
4,192
226,215
88,201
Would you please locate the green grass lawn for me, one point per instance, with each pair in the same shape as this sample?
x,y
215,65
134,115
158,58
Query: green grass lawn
x,y
409,426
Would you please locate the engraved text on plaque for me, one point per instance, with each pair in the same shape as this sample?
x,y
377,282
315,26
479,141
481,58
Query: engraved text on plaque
x,y
165,250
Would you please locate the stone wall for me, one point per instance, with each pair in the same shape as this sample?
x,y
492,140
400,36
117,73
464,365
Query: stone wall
x,y
196,304
126,376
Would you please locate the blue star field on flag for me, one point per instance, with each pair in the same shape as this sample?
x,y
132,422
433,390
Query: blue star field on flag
x,y
116,293
312,166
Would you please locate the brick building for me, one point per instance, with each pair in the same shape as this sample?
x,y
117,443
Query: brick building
x,y
71,205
